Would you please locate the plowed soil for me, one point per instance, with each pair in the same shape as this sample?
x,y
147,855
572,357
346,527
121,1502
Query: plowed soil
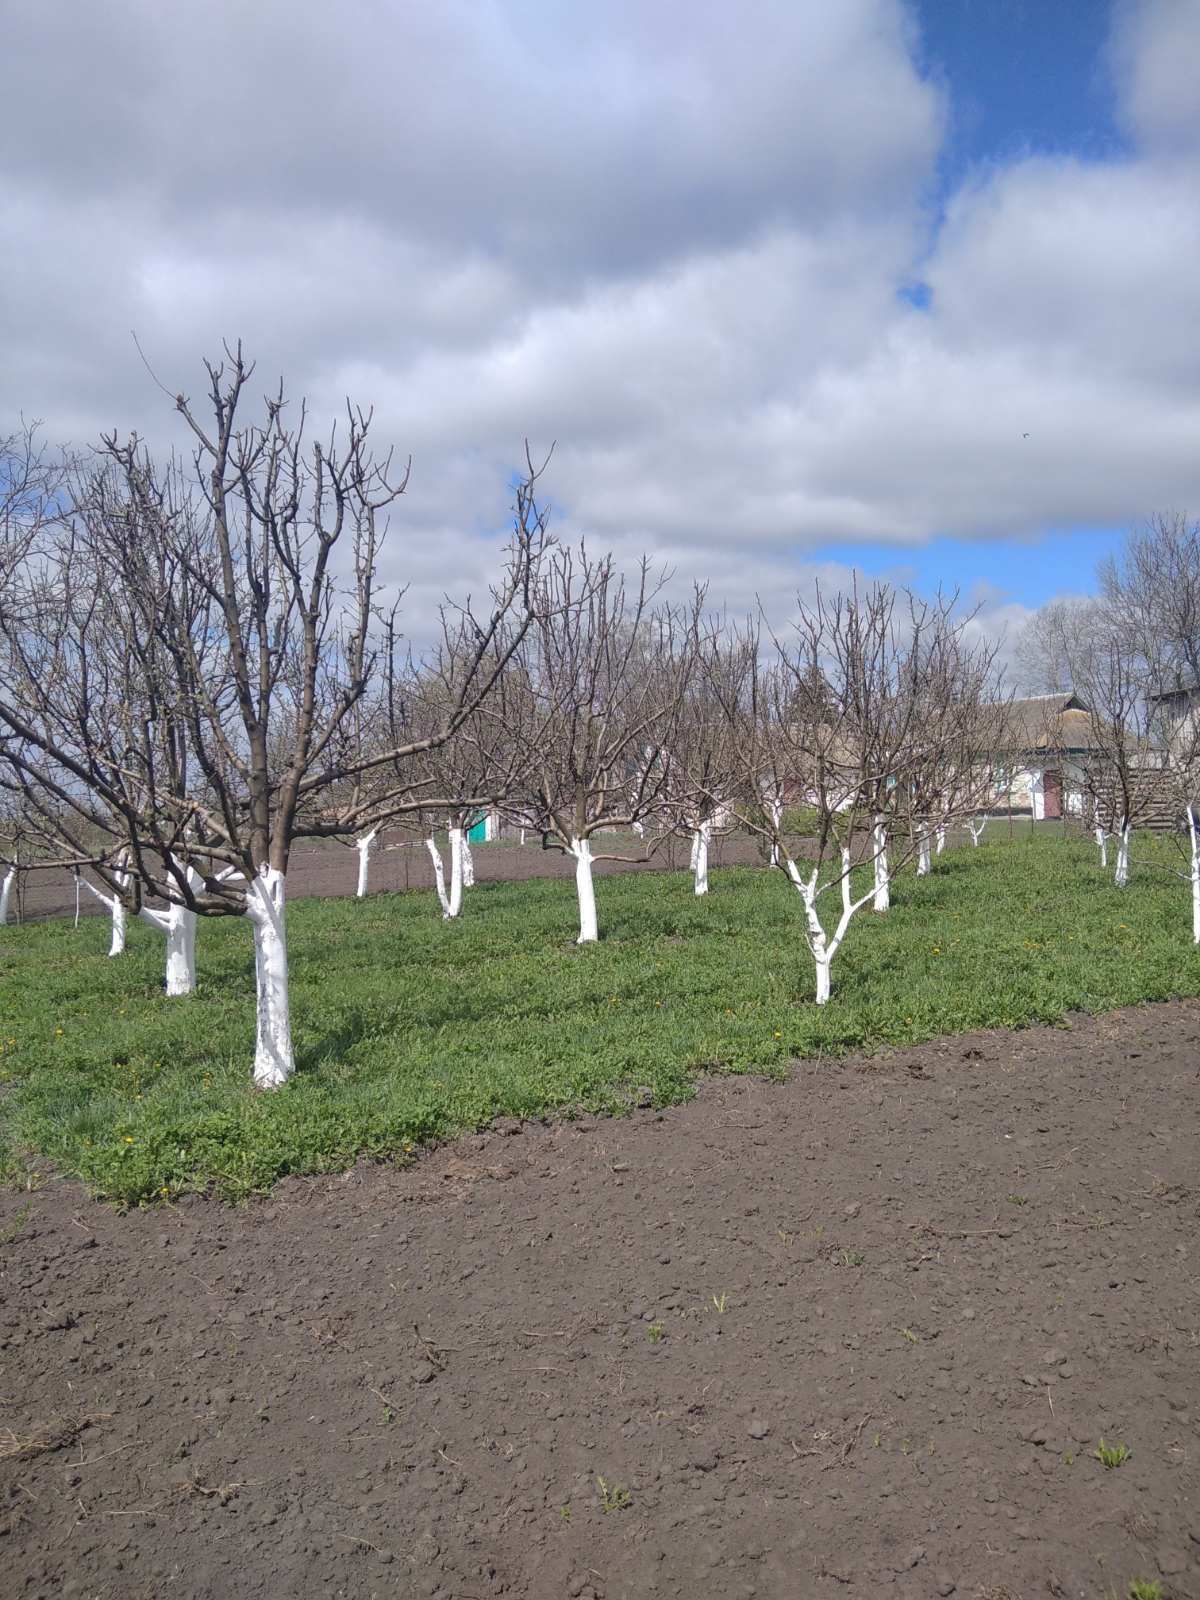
x,y
856,1333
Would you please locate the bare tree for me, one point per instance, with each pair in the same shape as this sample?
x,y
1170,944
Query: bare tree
x,y
256,646
863,711
592,704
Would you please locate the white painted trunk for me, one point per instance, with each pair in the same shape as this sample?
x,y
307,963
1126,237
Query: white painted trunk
x,y
924,860
1121,876
639,828
116,911
1194,875
439,876
1102,842
977,825
10,877
181,951
585,888
363,846
882,898
700,856
456,872
266,908
824,946
117,944
941,840
468,863
775,812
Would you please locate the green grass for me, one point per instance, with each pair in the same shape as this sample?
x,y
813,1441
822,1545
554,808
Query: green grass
x,y
409,1029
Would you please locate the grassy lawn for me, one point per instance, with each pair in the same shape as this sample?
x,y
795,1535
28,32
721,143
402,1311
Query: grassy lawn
x,y
409,1029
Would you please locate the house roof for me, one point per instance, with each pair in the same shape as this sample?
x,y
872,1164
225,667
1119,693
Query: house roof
x,y
1049,722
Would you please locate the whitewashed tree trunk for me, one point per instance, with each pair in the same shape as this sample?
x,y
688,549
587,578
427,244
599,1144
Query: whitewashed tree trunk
x,y
924,860
1194,874
439,876
363,846
824,946
640,829
941,840
10,877
700,856
882,896
1102,844
456,871
178,926
1121,876
774,809
468,863
585,888
976,826
266,908
116,911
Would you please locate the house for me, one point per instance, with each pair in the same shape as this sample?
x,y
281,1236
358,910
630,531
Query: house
x,y
1176,710
1046,743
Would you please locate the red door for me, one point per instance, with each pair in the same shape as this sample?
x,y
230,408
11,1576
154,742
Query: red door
x,y
1052,794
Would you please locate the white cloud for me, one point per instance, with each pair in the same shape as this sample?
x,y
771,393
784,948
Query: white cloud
x,y
676,252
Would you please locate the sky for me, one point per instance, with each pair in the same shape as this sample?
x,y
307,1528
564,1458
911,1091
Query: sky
x,y
902,286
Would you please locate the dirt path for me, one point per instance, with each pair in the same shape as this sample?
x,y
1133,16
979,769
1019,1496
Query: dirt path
x,y
858,1333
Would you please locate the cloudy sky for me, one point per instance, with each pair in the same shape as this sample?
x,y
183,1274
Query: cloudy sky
x,y
906,285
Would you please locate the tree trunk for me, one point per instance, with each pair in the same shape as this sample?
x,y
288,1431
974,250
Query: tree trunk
x,y
941,840
882,898
1121,876
363,846
586,890
977,825
265,906
181,951
439,876
6,894
1194,837
116,911
456,871
468,863
1102,842
700,856
923,856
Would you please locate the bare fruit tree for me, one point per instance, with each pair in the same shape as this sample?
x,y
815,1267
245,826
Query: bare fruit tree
x,y
593,703
867,706
258,594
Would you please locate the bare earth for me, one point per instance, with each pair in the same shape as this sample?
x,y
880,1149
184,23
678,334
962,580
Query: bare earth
x,y
857,1333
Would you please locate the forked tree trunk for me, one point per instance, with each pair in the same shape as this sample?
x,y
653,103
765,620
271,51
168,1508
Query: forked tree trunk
x,y
882,896
178,926
10,877
976,826
116,911
363,846
585,888
266,908
700,856
823,946
1121,876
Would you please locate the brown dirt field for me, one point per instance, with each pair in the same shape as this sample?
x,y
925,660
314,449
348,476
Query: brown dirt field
x,y
945,1274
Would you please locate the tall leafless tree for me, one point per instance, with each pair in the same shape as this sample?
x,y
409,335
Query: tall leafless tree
x,y
592,702
260,636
